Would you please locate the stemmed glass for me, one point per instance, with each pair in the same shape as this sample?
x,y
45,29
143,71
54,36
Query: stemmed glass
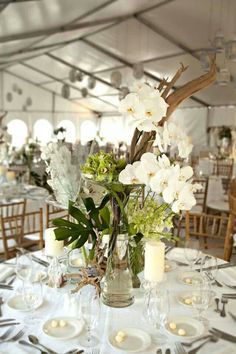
x,y
191,251
201,297
90,308
24,268
33,299
156,311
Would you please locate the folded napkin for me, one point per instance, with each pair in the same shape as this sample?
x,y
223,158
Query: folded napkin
x,y
177,254
227,275
5,272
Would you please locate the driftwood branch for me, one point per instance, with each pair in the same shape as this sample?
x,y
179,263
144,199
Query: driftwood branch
x,y
174,79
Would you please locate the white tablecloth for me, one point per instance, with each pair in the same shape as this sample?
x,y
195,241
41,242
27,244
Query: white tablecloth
x,y
216,199
118,319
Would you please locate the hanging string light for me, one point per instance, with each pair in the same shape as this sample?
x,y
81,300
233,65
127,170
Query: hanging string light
x,y
91,82
138,71
72,75
84,92
65,91
116,79
123,92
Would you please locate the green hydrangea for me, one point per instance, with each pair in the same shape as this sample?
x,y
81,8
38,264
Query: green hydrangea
x,y
103,167
153,220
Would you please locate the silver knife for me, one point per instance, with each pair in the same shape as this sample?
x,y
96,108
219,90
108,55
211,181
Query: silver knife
x,y
221,266
7,320
224,335
9,324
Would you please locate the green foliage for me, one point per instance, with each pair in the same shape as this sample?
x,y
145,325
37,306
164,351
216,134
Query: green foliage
x,y
90,223
151,220
103,167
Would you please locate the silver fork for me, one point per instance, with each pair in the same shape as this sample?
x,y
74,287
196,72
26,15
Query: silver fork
x,y
6,334
179,349
211,278
15,337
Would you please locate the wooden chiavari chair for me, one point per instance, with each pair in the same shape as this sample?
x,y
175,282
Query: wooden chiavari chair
x,y
201,195
53,212
224,169
214,228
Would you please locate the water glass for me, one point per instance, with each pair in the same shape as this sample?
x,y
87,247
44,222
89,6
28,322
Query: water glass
x,y
90,310
156,311
24,268
201,297
191,251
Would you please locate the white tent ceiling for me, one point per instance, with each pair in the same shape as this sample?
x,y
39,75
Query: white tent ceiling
x,y
41,40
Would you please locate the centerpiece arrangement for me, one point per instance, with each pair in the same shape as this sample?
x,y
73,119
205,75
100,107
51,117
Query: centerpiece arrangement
x,y
140,195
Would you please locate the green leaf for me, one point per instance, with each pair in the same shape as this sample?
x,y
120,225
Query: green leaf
x,y
63,233
81,241
63,222
77,214
105,214
89,204
104,201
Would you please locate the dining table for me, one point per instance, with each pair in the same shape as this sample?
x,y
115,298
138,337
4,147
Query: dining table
x,y
57,303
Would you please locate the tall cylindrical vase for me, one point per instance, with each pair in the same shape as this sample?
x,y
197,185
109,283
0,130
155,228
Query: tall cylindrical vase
x,y
117,289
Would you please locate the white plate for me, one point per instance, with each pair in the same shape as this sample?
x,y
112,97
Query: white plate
x,y
192,327
187,278
182,296
135,341
17,303
72,329
170,265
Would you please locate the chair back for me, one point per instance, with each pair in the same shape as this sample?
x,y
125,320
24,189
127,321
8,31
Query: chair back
x,y
232,188
11,234
14,208
33,229
53,212
215,228
224,168
201,194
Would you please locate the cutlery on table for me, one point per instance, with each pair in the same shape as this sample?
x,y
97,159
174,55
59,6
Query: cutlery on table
x,y
179,348
15,337
168,351
214,338
1,303
27,344
217,301
7,324
223,335
75,351
232,315
34,340
189,344
221,266
5,286
224,301
7,333
213,280
7,320
11,280
40,261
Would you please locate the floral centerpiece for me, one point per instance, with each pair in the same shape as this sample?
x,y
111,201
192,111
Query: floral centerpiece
x,y
166,184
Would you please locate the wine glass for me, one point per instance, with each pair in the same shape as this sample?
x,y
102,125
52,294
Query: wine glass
x,y
156,311
201,297
191,251
33,299
90,308
24,268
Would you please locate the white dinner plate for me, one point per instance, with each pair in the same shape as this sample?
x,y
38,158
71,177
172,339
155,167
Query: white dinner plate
x,y
192,327
135,340
17,303
73,327
190,278
170,265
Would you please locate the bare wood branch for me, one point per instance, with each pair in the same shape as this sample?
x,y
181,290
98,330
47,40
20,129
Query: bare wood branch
x,y
162,84
187,90
174,79
135,139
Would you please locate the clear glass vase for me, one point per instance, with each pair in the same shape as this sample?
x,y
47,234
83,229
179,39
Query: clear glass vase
x,y
117,287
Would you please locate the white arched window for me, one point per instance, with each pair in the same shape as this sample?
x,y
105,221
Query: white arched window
x,y
70,134
88,131
42,131
19,131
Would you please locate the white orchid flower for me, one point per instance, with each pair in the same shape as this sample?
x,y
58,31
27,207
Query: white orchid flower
x,y
145,125
173,190
147,168
163,161
159,139
128,175
131,106
186,173
196,186
142,89
185,201
160,181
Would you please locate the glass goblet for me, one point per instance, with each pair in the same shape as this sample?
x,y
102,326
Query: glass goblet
x,y
24,268
33,299
201,297
156,311
191,251
90,309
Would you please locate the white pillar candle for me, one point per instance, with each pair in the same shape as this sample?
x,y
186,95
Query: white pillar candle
x,y
154,261
10,176
53,247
